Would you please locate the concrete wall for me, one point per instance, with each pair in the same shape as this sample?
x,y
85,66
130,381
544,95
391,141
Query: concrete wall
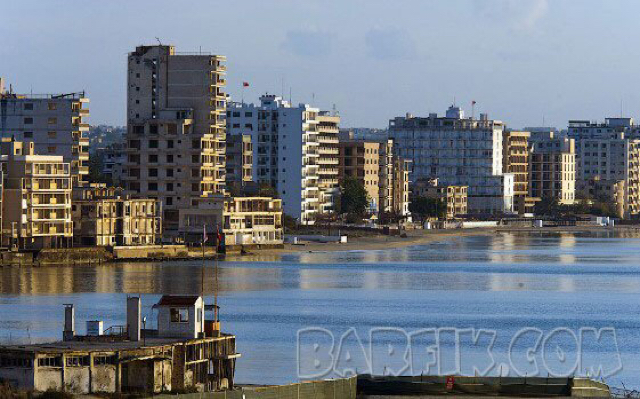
x,y
77,379
103,378
150,251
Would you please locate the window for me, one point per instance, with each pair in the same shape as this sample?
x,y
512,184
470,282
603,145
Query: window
x,y
52,121
169,172
28,135
28,121
50,361
169,158
77,361
51,149
153,186
153,158
104,360
169,143
28,106
179,315
169,188
153,172
153,143
51,135
52,106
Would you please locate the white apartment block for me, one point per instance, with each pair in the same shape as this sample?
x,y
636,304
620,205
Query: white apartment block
x,y
458,151
608,152
294,151
175,140
55,123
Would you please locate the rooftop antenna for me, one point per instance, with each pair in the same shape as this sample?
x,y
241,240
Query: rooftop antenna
x,y
158,39
290,100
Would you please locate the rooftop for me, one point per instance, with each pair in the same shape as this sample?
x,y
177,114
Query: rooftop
x,y
105,345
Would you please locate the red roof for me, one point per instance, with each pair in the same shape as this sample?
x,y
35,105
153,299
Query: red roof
x,y
173,300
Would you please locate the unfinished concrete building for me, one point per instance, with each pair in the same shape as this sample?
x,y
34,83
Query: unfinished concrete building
x,y
175,140
55,123
185,352
105,216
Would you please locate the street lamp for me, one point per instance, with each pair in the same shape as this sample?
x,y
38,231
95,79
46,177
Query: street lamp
x,y
144,331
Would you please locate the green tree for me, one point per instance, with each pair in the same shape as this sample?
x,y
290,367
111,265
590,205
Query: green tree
x,y
96,166
425,207
354,199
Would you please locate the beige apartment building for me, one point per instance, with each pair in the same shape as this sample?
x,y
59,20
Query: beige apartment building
x,y
515,160
36,198
239,161
104,216
395,183
552,169
241,220
175,127
55,123
454,198
360,160
328,184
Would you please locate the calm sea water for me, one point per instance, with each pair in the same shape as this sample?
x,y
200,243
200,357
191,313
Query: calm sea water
x,y
502,303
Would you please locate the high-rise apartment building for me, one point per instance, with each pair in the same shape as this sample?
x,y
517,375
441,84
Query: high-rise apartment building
x,y
608,153
552,171
328,182
394,188
458,151
288,143
37,198
175,140
515,160
239,153
54,123
360,160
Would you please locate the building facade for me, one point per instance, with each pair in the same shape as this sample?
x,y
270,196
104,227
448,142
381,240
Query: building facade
x,y
288,143
175,141
454,198
458,151
239,160
608,152
54,123
104,216
36,198
515,160
239,220
360,160
395,184
552,169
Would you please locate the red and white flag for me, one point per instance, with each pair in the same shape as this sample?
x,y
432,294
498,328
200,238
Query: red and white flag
x,y
245,84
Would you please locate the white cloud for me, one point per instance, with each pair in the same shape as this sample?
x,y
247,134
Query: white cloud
x,y
523,15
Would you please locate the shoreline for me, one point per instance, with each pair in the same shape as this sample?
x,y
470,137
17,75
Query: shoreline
x,y
419,237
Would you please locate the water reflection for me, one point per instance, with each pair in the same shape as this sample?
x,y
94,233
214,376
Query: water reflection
x,y
499,281
553,262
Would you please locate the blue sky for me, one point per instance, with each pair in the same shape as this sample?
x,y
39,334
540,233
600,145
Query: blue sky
x,y
521,60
